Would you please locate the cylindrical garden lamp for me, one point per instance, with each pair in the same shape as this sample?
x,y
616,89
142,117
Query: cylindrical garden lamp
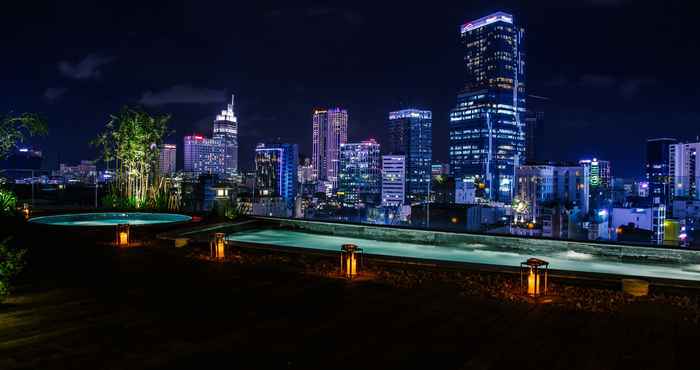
x,y
217,246
122,235
348,260
533,277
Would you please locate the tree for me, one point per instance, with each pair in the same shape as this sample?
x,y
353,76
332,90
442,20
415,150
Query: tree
x,y
15,129
132,139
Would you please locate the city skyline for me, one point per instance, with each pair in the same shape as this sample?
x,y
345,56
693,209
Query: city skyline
x,y
598,95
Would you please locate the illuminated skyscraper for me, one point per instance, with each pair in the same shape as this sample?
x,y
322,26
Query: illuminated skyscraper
x,y
599,182
226,130
657,169
410,135
330,131
684,168
276,171
167,159
359,178
204,156
393,180
487,127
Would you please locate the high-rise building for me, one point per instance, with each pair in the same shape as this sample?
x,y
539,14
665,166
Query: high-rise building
x,y
167,159
305,172
684,169
204,156
410,135
359,178
226,130
330,131
393,180
599,182
657,169
487,126
276,172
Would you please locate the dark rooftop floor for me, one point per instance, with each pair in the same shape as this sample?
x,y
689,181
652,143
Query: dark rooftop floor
x,y
157,308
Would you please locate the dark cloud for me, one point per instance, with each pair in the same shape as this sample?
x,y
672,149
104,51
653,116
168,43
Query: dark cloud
x,y
183,94
632,87
52,94
605,3
598,81
347,15
627,87
87,68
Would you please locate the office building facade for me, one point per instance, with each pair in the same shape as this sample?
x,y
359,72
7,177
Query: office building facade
x,y
226,130
167,159
599,174
330,131
542,185
487,126
276,172
684,170
204,155
657,169
393,180
359,177
410,135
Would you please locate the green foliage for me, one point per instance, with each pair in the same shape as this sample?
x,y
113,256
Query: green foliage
x,y
8,202
12,262
14,129
162,198
132,138
235,211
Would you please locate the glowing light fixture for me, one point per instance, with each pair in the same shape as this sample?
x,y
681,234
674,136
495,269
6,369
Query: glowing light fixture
x,y
348,260
535,271
26,211
122,235
218,246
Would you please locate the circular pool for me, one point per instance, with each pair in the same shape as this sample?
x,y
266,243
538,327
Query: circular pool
x,y
110,219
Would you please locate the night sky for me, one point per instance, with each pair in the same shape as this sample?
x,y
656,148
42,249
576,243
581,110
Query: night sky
x,y
616,72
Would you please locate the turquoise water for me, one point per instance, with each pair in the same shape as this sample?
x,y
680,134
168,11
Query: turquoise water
x,y
559,258
110,219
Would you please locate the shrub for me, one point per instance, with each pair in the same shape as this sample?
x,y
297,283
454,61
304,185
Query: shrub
x,y
8,202
11,264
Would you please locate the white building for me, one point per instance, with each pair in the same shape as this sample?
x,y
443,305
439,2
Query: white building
x,y
684,169
167,159
84,172
647,218
393,180
226,130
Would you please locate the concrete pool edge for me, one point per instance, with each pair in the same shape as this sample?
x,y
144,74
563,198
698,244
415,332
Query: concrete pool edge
x,y
595,278
40,220
275,223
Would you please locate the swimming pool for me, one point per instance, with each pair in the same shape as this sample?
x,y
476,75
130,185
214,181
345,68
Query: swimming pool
x,y
110,219
632,261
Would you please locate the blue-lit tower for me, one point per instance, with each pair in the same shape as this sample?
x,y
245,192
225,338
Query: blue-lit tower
x,y
410,135
276,171
487,127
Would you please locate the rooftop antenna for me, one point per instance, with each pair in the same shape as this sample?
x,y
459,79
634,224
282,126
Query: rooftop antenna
x,y
233,102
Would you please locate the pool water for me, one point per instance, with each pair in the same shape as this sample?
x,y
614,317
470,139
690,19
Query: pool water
x,y
110,219
559,258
